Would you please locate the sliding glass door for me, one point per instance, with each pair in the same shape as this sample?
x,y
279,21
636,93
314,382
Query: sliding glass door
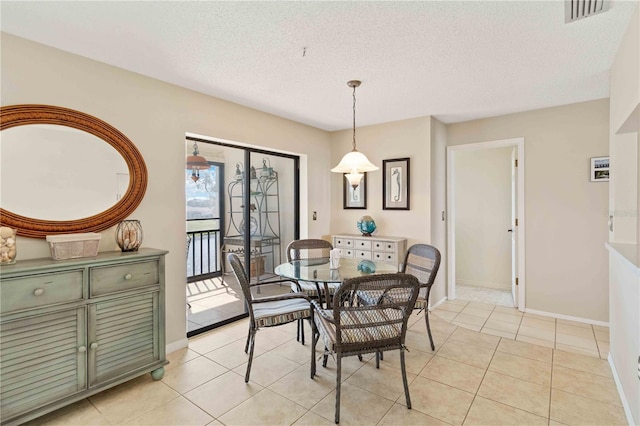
x,y
259,216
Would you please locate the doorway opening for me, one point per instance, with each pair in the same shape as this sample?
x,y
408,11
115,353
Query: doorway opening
x,y
485,197
246,203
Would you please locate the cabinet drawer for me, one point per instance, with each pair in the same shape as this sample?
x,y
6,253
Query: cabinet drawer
x,y
363,254
343,242
347,253
384,257
112,279
384,246
41,290
362,244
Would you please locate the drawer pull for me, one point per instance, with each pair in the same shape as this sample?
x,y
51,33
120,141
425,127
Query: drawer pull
x,y
82,349
38,292
94,346
128,277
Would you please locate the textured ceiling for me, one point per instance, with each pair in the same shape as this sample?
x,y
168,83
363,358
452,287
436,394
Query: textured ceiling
x,y
454,60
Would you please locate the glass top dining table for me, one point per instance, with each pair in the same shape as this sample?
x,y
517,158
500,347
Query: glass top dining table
x,y
318,270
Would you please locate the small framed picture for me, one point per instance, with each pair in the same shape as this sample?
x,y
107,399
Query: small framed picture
x,y
354,198
599,169
395,184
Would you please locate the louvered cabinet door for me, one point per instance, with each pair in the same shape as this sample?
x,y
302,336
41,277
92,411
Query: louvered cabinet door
x,y
42,360
123,335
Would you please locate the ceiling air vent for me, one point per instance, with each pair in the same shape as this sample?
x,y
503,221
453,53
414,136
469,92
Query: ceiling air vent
x,y
578,9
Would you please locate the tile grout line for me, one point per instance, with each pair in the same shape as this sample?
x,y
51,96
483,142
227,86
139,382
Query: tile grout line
x,y
593,331
516,332
483,377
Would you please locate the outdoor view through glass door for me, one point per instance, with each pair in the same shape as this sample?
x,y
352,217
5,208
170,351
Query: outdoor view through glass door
x,y
265,182
204,202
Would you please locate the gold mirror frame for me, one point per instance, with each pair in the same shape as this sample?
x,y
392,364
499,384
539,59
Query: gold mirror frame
x,y
20,115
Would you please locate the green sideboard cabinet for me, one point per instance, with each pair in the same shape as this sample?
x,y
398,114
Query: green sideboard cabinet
x,y
72,328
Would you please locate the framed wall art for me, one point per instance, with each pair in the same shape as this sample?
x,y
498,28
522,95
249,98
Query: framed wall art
x,y
354,198
599,169
395,184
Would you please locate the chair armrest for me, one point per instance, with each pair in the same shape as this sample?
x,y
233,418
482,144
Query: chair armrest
x,y
287,280
285,296
317,307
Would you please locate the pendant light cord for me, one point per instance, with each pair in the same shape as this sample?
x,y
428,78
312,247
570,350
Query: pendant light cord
x,y
354,118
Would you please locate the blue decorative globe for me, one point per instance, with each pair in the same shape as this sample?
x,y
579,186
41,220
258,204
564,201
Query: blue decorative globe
x,y
367,267
366,225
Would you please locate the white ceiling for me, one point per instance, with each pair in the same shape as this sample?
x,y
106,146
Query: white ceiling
x,y
454,60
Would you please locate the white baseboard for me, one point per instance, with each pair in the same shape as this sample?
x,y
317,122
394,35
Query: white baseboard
x,y
176,346
623,398
567,317
440,302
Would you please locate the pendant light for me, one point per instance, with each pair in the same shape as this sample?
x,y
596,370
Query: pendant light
x,y
354,163
196,163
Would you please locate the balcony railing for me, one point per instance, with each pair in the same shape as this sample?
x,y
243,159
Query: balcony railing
x,y
203,254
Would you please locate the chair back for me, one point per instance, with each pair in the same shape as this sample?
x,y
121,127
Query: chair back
x,y
382,325
308,249
241,276
422,261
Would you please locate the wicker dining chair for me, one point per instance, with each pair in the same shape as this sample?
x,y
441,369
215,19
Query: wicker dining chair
x,y
422,261
309,249
354,329
268,311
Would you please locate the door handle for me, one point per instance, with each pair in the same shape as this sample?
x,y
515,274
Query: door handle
x,y
510,230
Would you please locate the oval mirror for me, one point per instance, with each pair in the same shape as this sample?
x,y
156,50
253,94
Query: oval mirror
x,y
64,171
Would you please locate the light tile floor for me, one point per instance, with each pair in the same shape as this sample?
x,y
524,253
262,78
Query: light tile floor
x,y
213,300
486,295
473,378
571,336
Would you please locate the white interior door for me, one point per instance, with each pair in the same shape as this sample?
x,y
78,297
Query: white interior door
x,y
518,268
514,225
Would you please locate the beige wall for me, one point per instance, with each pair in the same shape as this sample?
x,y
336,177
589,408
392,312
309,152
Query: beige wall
x,y
156,116
407,138
566,214
483,215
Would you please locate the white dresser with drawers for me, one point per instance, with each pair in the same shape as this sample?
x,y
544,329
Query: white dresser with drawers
x,y
376,248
